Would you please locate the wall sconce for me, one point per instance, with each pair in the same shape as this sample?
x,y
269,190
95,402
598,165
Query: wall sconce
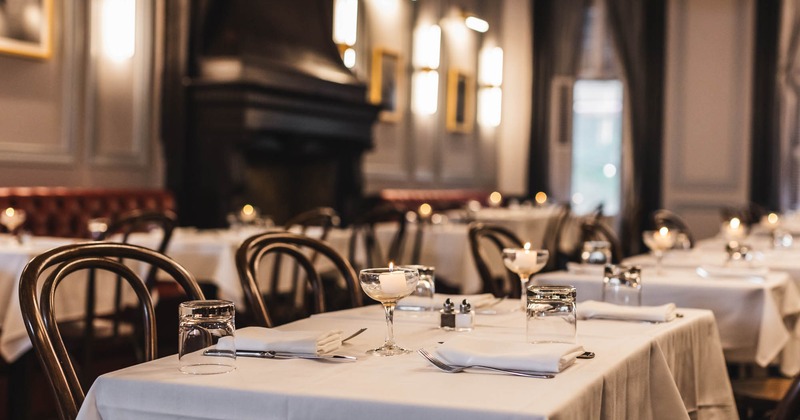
x,y
118,29
425,80
345,29
490,93
475,23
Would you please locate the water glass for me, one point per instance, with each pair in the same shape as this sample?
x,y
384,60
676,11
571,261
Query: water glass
x,y
425,289
622,285
551,314
202,324
596,252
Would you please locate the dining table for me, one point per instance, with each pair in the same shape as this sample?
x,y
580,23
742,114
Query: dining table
x,y
643,370
756,311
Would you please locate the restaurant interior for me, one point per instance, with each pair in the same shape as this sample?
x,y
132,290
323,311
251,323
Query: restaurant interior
x,y
600,195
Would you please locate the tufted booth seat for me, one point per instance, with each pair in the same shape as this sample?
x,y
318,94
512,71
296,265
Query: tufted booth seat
x,y
439,199
64,211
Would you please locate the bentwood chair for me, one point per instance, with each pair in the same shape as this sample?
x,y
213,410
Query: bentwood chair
x,y
594,229
252,251
364,230
667,218
479,235
553,235
47,271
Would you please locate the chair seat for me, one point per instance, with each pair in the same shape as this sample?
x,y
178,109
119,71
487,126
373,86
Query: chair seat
x,y
768,390
103,328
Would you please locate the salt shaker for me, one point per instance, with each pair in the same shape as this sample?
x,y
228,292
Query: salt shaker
x,y
448,315
465,318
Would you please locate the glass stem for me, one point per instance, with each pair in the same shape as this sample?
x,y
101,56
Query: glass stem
x,y
523,290
659,257
389,309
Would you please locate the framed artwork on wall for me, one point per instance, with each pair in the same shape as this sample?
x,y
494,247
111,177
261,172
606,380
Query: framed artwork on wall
x,y
460,102
384,87
26,28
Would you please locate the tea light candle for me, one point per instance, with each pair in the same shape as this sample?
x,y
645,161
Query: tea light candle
x,y
495,199
525,259
733,229
248,213
663,238
772,221
393,282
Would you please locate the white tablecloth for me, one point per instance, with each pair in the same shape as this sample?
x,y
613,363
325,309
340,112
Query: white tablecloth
x,y
70,297
642,371
750,313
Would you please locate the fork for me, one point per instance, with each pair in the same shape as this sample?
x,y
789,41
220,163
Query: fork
x,y
354,334
455,369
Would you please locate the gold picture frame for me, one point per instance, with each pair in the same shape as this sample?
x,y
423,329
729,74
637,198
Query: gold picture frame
x,y
385,80
27,28
460,102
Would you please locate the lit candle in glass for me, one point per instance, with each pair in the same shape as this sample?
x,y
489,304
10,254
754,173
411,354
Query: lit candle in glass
x,y
393,282
495,199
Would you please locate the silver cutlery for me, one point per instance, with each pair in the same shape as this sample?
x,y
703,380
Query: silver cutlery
x,y
354,334
455,369
282,355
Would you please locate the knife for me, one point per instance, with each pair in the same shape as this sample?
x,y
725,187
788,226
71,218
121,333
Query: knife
x,y
282,355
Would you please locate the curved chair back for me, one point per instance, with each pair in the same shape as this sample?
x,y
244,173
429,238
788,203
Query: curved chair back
x,y
553,235
596,230
667,218
325,218
40,318
254,248
364,229
500,237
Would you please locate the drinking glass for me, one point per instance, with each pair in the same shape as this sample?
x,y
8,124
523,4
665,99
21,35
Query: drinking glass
x,y
202,324
525,262
659,241
425,289
387,286
622,285
596,252
551,314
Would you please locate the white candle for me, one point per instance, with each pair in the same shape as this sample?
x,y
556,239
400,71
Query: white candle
x,y
663,238
393,282
734,229
248,213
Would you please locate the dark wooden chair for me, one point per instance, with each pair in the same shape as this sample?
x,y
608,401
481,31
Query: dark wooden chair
x,y
594,229
481,234
255,248
553,235
667,218
40,316
363,230
768,398
323,218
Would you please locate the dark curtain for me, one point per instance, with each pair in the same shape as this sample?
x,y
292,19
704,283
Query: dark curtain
x,y
637,31
765,172
557,31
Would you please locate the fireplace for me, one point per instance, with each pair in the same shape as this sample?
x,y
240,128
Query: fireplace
x,y
259,109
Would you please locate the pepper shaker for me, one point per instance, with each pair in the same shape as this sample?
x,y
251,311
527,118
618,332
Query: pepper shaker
x,y
448,315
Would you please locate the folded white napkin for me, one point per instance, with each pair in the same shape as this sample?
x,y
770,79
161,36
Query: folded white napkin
x,y
270,339
711,271
540,357
593,309
591,269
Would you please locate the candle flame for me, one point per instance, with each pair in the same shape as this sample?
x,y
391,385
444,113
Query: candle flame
x,y
425,210
540,197
248,209
527,246
772,218
495,197
391,265
735,222
664,231
10,212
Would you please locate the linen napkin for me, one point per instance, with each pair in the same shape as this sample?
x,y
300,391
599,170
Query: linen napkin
x,y
601,310
270,339
540,357
590,269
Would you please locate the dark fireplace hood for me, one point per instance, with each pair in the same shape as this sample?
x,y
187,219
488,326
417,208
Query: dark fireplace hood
x,y
258,108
